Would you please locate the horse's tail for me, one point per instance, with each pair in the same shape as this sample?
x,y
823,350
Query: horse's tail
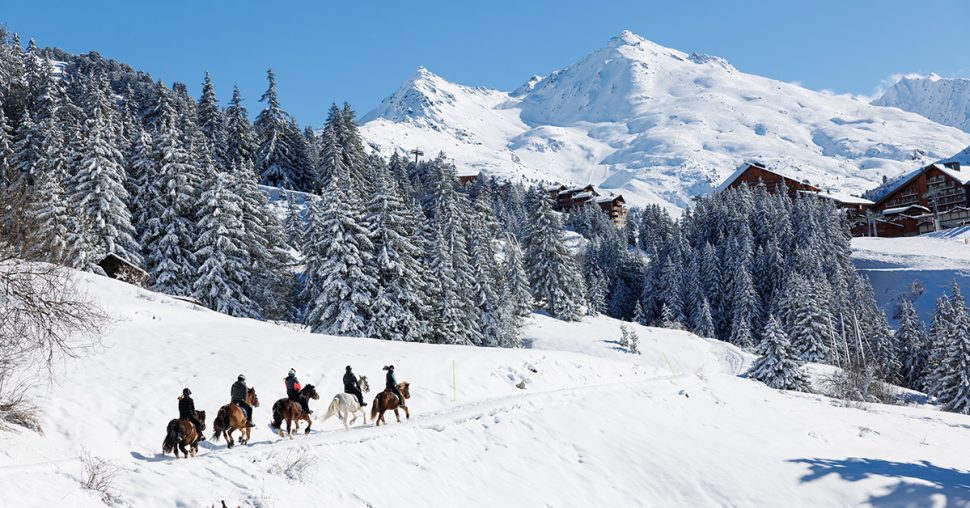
x,y
171,437
278,413
333,408
375,408
220,423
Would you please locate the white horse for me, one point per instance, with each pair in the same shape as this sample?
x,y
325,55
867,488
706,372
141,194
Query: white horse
x,y
345,405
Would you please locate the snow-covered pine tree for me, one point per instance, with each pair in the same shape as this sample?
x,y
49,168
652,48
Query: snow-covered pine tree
x,y
954,382
212,123
99,184
399,307
52,212
449,320
273,152
169,236
517,281
554,278
744,304
703,324
240,139
223,272
638,314
911,346
330,160
347,272
806,320
778,367
942,328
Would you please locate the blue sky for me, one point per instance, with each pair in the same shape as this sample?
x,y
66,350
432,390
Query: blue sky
x,y
361,51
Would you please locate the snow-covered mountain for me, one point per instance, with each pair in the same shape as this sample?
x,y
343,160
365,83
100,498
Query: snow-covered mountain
x,y
943,100
655,124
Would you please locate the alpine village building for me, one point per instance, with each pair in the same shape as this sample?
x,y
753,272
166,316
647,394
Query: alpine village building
x,y
931,198
565,199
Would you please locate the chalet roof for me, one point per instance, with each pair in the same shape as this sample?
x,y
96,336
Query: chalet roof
x,y
783,172
551,188
908,208
609,199
960,176
583,195
843,198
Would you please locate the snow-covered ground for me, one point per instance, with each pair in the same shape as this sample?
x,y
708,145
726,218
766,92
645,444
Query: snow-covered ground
x,y
594,426
918,268
657,125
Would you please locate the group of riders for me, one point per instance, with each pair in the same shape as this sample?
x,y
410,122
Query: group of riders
x,y
239,390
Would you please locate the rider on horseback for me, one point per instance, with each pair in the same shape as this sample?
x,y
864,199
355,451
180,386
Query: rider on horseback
x,y
293,391
352,386
238,393
391,384
187,411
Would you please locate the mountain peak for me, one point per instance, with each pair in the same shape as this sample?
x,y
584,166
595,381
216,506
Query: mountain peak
x,y
626,38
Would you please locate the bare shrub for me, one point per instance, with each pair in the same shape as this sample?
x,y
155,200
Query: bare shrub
x,y
43,317
99,475
861,384
293,464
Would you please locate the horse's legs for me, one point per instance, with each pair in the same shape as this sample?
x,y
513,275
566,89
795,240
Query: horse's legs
x,y
184,451
407,412
289,431
397,415
309,423
228,433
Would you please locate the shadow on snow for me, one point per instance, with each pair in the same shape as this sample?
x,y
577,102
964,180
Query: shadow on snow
x,y
921,484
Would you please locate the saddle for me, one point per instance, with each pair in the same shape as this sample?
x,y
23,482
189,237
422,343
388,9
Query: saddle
x,y
241,408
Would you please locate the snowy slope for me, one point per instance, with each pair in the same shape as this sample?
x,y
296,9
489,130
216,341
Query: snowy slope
x,y
916,268
657,125
593,427
943,100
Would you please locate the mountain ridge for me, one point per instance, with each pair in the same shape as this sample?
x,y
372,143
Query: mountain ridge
x,y
656,124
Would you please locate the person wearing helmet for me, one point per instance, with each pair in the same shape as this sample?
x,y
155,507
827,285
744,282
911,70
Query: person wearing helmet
x,y
238,393
352,386
293,391
187,411
391,384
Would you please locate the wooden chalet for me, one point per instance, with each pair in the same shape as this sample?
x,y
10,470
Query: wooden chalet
x,y
467,179
119,268
565,199
754,174
933,197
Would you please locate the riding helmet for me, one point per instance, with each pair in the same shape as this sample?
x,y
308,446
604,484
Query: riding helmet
x,y
242,377
292,372
186,392
348,368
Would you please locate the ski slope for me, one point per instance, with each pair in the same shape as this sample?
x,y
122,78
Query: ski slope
x,y
917,268
594,426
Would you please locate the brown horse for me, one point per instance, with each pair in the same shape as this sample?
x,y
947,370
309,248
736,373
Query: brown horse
x,y
291,411
231,418
387,400
181,432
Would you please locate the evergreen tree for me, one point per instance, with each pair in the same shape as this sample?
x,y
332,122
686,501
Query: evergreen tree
x,y
223,273
99,184
240,139
703,323
911,346
778,367
517,281
806,320
554,279
169,235
274,153
347,275
212,123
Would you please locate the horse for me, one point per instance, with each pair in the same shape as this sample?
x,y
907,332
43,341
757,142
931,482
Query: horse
x,y
387,400
289,410
181,432
345,405
231,418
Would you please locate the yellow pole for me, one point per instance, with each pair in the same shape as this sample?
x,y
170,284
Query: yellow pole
x,y
454,383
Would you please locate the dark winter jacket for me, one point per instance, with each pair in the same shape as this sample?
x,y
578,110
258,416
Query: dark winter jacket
x,y
391,380
239,391
293,387
350,380
186,407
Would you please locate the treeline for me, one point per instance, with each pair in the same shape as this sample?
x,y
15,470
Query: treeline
x,y
97,158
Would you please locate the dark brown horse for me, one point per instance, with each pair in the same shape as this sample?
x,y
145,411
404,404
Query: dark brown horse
x,y
387,400
291,411
181,432
231,418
